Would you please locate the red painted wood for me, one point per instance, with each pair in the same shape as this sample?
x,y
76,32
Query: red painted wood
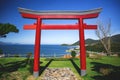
x,y
80,26
59,27
82,45
37,46
90,27
33,16
69,16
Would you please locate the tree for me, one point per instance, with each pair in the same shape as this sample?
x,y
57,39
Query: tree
x,y
104,34
73,54
7,28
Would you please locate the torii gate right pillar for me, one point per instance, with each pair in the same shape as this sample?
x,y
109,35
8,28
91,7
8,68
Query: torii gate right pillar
x,y
82,48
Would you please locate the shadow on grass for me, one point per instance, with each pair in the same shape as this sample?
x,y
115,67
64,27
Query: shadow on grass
x,y
42,68
75,66
12,66
107,71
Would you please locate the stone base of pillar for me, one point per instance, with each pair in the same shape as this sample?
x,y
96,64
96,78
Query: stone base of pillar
x,y
36,74
83,72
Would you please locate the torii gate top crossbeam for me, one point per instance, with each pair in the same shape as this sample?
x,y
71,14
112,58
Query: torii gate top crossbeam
x,y
27,13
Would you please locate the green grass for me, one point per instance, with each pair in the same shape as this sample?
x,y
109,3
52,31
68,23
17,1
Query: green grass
x,y
11,59
18,69
93,67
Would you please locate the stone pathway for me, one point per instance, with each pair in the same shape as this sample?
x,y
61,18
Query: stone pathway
x,y
58,74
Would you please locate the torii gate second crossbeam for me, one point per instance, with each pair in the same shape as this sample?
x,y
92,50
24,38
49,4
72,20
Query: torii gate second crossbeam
x,y
38,26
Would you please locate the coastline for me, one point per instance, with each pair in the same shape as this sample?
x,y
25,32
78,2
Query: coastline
x,y
47,50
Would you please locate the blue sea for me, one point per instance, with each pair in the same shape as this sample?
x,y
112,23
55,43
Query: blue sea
x,y
45,50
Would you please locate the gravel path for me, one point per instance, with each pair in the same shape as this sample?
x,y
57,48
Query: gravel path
x,y
58,74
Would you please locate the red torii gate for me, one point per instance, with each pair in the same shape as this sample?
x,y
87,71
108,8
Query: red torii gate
x,y
79,15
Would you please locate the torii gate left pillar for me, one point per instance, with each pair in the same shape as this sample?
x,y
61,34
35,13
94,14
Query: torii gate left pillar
x,y
37,48
59,15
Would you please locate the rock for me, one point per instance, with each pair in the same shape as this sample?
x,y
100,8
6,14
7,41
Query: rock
x,y
58,74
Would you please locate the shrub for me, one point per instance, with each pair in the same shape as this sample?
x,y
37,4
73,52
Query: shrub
x,y
29,55
16,55
73,54
1,52
87,54
118,54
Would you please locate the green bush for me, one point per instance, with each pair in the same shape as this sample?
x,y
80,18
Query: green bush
x,y
73,54
118,54
1,52
29,55
16,55
87,54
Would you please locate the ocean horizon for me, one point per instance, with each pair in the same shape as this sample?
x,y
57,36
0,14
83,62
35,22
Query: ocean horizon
x,y
46,50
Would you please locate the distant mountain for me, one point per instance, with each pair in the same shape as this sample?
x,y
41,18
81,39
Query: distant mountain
x,y
91,41
7,43
96,45
65,45
114,39
1,43
87,41
76,43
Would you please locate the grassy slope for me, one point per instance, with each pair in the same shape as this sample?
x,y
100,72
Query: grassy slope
x,y
13,69
94,65
91,66
26,70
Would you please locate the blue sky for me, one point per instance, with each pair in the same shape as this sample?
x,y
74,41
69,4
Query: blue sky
x,y
9,14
